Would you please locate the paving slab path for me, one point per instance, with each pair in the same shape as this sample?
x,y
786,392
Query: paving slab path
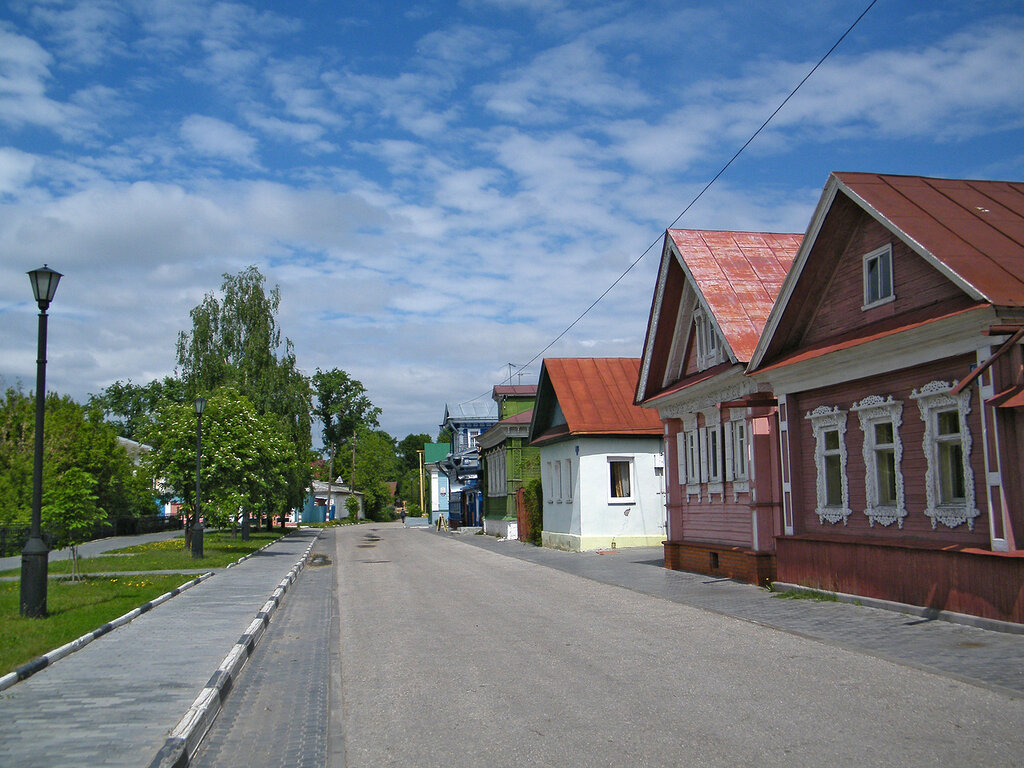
x,y
114,702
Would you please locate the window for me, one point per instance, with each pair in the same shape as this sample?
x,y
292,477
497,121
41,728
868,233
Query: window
x,y
711,445
832,488
736,450
709,346
471,436
558,481
736,453
880,421
878,288
567,474
620,473
949,479
549,481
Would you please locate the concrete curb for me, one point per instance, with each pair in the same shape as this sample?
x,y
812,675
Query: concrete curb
x,y
27,670
188,734
994,625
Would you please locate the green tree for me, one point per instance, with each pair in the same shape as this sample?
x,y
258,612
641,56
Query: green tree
x,y
245,458
236,340
409,448
75,437
343,407
375,466
71,511
131,408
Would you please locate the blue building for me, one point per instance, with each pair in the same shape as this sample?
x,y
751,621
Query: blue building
x,y
466,422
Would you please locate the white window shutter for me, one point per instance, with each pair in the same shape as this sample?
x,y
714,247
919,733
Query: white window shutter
x,y
681,457
703,441
730,474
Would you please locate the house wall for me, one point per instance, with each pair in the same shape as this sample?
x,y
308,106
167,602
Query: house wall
x,y
591,520
898,384
917,284
736,514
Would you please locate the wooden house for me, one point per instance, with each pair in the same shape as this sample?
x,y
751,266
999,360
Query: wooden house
x,y
508,461
894,350
712,298
601,456
466,422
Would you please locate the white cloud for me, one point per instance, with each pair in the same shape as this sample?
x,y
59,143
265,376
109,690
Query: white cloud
x,y
15,170
86,32
560,80
24,72
216,138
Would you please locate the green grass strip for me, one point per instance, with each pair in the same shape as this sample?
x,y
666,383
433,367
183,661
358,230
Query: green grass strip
x,y
219,550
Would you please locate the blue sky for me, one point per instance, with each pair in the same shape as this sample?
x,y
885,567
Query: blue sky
x,y
439,189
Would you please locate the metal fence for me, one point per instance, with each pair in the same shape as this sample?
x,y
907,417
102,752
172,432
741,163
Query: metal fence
x,y
12,540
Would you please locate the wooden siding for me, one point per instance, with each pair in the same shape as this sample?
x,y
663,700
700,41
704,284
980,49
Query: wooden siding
x,y
916,524
662,343
718,522
916,284
973,582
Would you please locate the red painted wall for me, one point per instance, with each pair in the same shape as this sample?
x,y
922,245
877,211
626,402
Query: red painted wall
x,y
900,385
917,284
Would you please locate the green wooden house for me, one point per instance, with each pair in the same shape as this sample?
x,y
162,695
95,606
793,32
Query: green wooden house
x,y
508,461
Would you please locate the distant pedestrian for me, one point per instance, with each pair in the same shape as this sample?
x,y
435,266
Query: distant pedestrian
x,y
402,514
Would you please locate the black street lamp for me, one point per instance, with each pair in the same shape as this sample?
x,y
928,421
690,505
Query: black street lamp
x,y
34,555
197,525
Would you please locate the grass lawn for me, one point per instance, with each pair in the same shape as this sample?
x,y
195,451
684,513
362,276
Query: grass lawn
x,y
74,610
219,550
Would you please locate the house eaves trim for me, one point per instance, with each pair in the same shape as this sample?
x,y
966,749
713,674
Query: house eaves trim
x,y
957,334
652,324
731,384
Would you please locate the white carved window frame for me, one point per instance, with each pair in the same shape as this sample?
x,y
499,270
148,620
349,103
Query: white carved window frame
x,y
823,420
709,345
932,399
712,453
871,411
691,456
737,452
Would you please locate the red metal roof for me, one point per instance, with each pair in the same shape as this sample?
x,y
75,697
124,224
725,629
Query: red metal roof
x,y
596,395
739,275
521,390
975,229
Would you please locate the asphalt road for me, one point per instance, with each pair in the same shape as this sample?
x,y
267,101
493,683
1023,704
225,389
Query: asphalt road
x,y
454,655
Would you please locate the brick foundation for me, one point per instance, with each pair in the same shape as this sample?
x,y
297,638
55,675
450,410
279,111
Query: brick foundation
x,y
720,560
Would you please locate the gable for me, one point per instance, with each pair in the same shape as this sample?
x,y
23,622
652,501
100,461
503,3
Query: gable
x,y
824,296
835,305
715,290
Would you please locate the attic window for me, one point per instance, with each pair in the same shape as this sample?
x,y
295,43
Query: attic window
x,y
878,288
709,346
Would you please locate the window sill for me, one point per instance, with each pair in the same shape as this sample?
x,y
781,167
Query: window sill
x,y
880,303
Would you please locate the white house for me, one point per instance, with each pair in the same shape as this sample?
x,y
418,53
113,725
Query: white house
x,y
601,456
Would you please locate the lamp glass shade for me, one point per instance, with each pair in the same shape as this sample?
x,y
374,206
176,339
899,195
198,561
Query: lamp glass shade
x,y
200,405
44,284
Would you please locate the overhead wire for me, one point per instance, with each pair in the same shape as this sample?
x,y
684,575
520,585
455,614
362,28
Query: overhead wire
x,y
697,197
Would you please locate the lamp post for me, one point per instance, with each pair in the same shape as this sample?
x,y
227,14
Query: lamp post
x,y
34,555
197,525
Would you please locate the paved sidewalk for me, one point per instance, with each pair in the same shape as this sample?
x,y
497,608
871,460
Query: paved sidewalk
x,y
114,702
982,657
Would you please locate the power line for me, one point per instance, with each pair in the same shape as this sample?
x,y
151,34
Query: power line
x,y
700,194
